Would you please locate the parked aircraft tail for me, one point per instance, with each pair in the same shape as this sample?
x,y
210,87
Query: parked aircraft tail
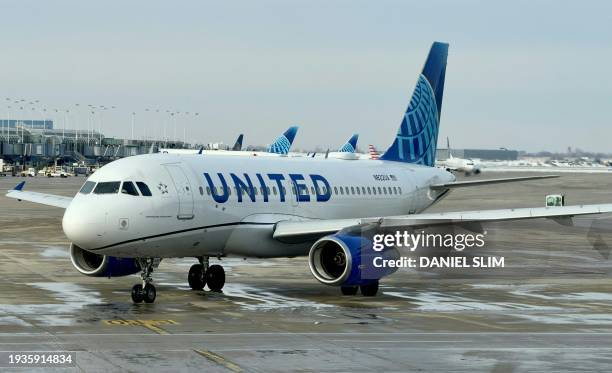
x,y
238,145
373,152
282,144
417,137
351,145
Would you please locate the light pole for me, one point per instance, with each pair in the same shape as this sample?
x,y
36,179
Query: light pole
x,y
196,119
8,123
21,108
76,122
133,123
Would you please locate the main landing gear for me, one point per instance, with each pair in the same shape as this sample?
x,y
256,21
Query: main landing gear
x,y
368,290
202,274
146,291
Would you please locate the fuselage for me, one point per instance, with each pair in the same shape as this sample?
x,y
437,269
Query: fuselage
x,y
227,205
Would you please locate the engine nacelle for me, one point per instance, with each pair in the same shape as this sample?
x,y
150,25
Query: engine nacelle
x,y
95,265
345,259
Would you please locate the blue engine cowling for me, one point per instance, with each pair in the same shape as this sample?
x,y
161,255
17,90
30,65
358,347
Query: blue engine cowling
x,y
96,265
346,259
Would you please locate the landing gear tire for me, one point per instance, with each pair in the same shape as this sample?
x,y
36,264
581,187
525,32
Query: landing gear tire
x,y
146,291
196,277
349,290
137,293
215,277
149,293
369,290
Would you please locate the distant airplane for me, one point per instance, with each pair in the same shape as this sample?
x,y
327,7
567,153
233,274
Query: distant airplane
x,y
133,212
373,152
283,143
350,146
238,145
467,166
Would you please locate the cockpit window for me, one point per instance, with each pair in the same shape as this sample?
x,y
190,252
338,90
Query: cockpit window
x,y
144,189
87,187
110,187
128,188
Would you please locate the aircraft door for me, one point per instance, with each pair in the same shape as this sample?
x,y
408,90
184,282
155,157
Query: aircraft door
x,y
291,196
183,190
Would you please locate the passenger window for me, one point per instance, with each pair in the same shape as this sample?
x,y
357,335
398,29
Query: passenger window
x,y
110,187
144,189
342,190
369,191
87,187
274,190
352,190
363,191
128,188
374,190
379,190
208,190
312,190
399,190
357,189
201,191
336,190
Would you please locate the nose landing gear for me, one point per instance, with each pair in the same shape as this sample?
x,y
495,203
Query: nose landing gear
x,y
146,291
202,274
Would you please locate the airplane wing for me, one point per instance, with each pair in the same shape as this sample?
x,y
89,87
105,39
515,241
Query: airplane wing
x,y
471,183
312,228
42,198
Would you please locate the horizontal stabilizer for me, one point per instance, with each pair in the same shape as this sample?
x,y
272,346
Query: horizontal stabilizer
x,y
471,183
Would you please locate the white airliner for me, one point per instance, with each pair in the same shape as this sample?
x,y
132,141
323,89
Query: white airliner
x,y
468,166
135,211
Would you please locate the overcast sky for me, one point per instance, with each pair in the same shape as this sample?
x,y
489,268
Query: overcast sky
x,y
530,75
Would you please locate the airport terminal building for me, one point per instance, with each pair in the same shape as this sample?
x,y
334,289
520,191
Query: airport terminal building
x,y
483,154
37,142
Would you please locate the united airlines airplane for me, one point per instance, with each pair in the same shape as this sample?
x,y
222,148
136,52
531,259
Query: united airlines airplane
x,y
136,211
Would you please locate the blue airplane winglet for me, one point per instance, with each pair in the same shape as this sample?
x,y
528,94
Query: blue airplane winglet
x,y
201,150
19,186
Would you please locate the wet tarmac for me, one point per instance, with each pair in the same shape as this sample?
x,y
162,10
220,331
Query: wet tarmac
x,y
549,309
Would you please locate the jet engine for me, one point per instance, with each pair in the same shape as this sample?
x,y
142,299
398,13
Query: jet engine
x,y
97,265
346,259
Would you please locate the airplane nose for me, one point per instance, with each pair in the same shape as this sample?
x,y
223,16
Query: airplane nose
x,y
84,225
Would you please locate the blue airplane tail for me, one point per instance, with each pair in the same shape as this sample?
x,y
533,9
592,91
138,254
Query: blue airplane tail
x,y
350,146
282,144
417,137
238,145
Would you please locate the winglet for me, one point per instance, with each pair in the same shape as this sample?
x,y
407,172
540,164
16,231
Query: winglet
x,y
201,150
19,186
